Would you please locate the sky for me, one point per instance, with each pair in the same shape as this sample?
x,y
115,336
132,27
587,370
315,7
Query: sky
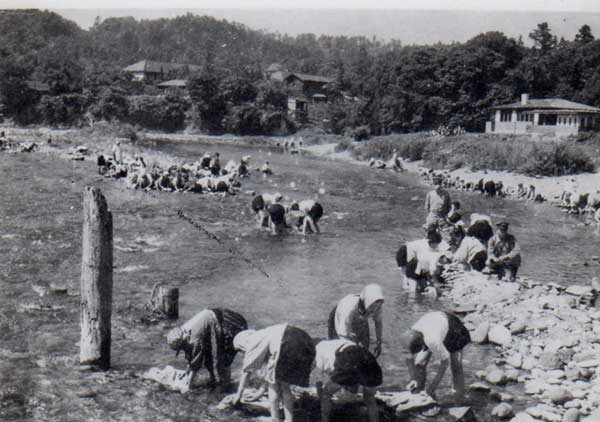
x,y
504,5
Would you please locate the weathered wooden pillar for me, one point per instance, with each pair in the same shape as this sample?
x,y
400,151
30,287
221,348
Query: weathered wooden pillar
x,y
168,301
96,280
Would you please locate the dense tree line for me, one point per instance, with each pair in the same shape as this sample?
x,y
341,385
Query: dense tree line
x,y
384,86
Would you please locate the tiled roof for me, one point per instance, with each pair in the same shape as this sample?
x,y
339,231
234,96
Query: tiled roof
x,y
548,104
311,78
149,66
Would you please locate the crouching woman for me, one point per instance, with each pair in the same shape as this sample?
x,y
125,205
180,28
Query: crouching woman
x,y
344,364
207,340
283,354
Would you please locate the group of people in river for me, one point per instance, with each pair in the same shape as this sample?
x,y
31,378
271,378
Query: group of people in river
x,y
277,217
202,176
283,355
572,199
449,242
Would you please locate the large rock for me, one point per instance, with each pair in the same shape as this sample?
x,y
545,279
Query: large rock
x,y
479,387
576,290
593,417
523,417
550,360
480,335
543,412
591,363
496,377
500,335
571,415
518,327
405,401
529,362
503,411
559,395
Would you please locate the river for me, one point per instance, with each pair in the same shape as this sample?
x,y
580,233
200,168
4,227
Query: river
x,y
369,214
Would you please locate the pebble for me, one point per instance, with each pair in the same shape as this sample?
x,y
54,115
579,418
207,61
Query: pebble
x,y
515,360
479,386
503,411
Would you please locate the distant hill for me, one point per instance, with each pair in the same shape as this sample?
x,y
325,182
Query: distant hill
x,y
408,26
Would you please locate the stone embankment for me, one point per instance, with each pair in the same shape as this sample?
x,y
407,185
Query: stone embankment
x,y
547,337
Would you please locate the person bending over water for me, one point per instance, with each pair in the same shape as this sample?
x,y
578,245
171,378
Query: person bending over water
x,y
440,335
283,355
312,212
422,261
342,364
207,340
350,318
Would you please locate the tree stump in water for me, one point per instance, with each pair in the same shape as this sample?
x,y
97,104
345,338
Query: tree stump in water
x,y
96,280
165,299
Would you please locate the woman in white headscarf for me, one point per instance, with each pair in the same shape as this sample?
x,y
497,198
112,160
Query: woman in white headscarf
x,y
350,318
283,355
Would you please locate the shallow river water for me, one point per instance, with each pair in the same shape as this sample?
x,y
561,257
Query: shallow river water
x,y
369,214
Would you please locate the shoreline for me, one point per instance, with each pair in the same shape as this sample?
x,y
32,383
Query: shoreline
x,y
550,188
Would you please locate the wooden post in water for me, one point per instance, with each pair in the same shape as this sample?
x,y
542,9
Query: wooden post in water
x,y
96,280
165,299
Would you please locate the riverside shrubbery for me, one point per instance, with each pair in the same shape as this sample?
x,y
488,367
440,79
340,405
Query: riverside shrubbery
x,y
483,152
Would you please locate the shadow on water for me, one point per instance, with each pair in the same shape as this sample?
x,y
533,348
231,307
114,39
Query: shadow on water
x,y
369,214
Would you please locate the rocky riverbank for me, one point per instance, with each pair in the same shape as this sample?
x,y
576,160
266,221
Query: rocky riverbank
x,y
547,338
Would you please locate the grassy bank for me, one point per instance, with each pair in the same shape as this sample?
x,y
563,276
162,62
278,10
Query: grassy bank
x,y
518,154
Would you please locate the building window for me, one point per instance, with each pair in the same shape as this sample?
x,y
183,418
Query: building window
x,y
505,116
547,120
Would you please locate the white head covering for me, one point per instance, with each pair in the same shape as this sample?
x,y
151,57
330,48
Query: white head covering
x,y
371,294
243,340
177,337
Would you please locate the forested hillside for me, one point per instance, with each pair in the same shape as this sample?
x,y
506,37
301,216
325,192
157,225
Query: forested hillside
x,y
397,88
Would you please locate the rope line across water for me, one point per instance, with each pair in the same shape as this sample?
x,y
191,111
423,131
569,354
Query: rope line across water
x,y
200,227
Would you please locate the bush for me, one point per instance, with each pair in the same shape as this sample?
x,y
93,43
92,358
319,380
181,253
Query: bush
x,y
243,120
557,160
64,109
161,112
361,133
344,145
110,105
115,130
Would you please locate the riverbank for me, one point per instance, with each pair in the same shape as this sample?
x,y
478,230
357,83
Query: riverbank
x,y
549,189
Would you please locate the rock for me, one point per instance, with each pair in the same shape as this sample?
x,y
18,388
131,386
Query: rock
x,y
480,387
566,355
496,377
593,417
533,387
573,404
550,360
512,375
591,363
576,290
500,335
480,335
503,411
501,397
462,414
559,396
543,412
405,401
518,327
86,393
529,363
523,417
515,360
553,346
571,415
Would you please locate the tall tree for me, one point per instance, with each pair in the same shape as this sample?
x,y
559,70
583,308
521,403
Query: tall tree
x,y
542,37
584,35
